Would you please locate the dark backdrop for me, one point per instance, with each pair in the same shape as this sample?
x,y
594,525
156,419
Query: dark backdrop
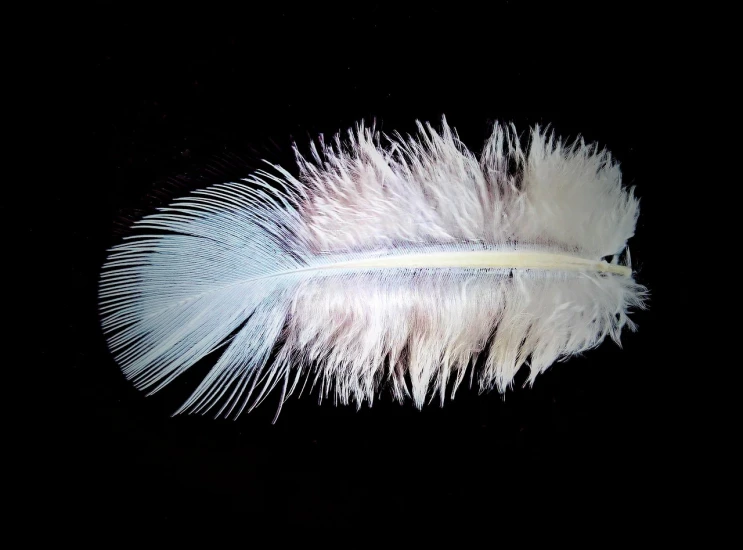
x,y
165,97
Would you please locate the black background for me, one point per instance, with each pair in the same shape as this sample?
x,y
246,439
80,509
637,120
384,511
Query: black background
x,y
162,95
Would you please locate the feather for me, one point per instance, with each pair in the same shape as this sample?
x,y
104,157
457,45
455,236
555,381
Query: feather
x,y
387,262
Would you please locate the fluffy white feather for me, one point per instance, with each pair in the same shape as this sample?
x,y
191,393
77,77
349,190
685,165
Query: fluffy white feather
x,y
388,262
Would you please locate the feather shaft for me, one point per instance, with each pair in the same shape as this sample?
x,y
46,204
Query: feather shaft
x,y
485,259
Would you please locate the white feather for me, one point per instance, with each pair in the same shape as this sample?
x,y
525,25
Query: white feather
x,y
323,266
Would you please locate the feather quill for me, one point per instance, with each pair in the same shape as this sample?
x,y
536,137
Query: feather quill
x,y
387,262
